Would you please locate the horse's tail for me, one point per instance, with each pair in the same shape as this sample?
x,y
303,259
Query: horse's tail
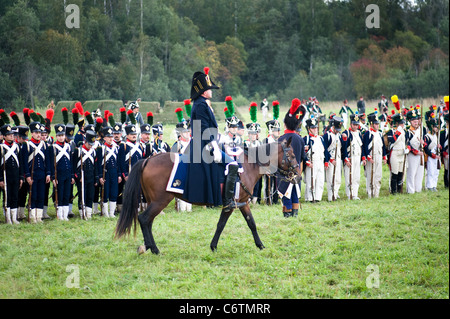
x,y
131,199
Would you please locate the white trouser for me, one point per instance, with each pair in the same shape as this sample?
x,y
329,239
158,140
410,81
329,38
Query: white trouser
x,y
356,176
414,174
318,181
432,173
337,179
377,173
184,206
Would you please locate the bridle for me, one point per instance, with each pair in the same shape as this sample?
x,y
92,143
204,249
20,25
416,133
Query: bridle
x,y
289,174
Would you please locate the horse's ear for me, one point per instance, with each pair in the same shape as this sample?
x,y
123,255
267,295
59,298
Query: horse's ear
x,y
288,144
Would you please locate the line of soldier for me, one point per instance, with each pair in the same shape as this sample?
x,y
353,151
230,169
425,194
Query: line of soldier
x,y
97,160
407,149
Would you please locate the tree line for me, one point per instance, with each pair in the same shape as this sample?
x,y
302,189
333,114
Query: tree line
x,y
126,49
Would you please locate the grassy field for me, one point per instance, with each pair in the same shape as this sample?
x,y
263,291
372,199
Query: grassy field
x,y
390,247
332,250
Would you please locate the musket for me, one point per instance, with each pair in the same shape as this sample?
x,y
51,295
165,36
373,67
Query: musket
x,y
438,151
421,137
334,170
351,165
55,186
31,186
373,164
83,213
5,197
312,174
103,186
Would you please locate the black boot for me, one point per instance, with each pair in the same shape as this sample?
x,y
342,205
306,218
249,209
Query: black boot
x,y
394,183
229,203
446,178
399,182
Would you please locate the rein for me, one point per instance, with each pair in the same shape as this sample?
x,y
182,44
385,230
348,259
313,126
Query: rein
x,y
286,175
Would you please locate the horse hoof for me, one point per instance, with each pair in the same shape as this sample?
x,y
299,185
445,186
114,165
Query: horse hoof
x,y
141,250
261,247
213,248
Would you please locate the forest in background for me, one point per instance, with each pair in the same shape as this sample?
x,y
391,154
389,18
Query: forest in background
x,y
279,49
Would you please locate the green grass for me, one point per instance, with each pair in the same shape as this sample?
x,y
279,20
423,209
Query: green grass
x,y
324,253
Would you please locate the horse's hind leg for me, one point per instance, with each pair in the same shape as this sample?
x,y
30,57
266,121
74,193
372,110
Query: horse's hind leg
x,y
220,226
246,212
146,222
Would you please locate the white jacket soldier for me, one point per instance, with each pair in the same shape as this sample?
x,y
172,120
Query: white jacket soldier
x,y
317,155
333,143
353,157
432,158
376,156
415,158
11,173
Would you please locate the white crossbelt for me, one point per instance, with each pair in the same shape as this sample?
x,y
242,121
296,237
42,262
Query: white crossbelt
x,y
87,155
37,150
11,151
133,149
109,152
62,151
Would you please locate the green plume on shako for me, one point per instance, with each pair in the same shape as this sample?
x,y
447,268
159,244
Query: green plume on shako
x,y
253,109
188,107
230,105
276,109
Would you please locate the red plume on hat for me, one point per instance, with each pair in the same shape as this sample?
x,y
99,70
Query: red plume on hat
x,y
206,70
49,114
79,107
294,106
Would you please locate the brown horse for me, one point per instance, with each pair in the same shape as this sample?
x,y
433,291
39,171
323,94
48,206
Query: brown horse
x,y
150,176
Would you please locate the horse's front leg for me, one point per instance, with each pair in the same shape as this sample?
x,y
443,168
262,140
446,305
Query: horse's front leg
x,y
246,212
220,226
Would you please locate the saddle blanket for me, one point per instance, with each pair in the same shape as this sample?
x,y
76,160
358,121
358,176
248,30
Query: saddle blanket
x,y
177,178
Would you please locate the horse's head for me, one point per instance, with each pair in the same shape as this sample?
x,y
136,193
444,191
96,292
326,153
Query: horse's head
x,y
287,162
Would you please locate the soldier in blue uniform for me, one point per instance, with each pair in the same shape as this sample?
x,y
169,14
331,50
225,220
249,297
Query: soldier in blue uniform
x,y
11,173
86,174
158,145
145,140
22,137
289,192
130,152
109,175
62,171
69,138
36,158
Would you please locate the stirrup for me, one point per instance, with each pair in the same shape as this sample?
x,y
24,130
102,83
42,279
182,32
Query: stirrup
x,y
233,205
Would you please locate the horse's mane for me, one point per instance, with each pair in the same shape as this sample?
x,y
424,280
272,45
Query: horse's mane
x,y
254,153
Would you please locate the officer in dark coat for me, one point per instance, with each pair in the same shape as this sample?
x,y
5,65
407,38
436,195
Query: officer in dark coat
x,y
11,173
207,161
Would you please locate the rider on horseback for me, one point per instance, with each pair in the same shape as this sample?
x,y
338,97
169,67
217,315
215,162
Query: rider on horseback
x,y
207,160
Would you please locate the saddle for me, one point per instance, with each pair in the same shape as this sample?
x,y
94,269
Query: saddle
x,y
178,176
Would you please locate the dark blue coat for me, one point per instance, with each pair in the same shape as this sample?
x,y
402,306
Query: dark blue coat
x,y
204,177
298,148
